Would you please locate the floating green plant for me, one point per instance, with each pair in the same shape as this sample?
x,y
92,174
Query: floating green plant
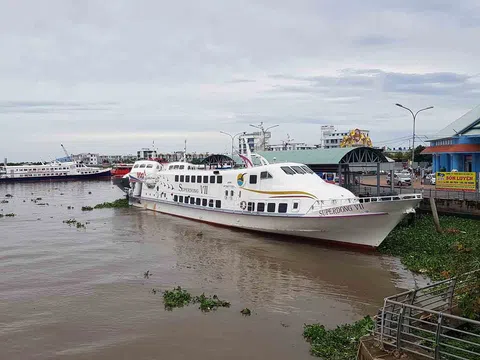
x,y
208,303
10,215
87,208
119,203
176,298
337,344
246,312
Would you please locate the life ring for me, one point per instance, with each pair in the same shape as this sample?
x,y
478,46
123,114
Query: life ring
x,y
243,205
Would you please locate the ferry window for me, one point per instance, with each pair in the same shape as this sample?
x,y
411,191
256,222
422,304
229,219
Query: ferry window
x,y
218,204
186,199
205,179
219,179
187,178
176,167
193,178
182,178
212,179
295,206
251,206
176,178
287,170
204,202
282,208
308,170
239,194
271,207
210,203
198,201
180,198
182,167
226,193
253,179
149,166
142,166
170,167
192,201
158,166
199,179
265,175
135,166
298,170
231,193
175,198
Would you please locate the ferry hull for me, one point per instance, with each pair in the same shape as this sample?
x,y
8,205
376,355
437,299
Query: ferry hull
x,y
366,229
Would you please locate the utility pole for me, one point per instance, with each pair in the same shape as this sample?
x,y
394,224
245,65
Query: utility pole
x,y
263,130
414,118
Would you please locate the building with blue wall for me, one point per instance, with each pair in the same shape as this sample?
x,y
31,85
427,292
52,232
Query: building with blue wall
x,y
457,147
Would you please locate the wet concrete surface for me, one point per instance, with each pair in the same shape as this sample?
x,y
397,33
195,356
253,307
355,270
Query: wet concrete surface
x,y
68,293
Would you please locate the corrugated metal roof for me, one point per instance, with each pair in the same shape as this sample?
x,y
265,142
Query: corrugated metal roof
x,y
317,156
460,126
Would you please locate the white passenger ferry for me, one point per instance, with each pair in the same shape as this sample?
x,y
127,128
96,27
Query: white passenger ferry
x,y
286,198
54,170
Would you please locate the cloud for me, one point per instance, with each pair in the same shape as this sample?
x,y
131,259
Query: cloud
x,y
85,71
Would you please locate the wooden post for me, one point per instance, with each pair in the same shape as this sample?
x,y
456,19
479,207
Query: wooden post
x,y
436,220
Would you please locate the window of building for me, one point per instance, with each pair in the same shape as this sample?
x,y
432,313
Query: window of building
x,y
282,208
192,201
218,204
219,179
271,207
210,203
204,202
298,170
199,179
176,178
205,179
175,197
253,179
180,198
182,178
193,178
251,206
265,175
287,170
212,179
187,178
198,201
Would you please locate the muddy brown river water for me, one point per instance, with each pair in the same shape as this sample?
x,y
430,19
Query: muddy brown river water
x,y
68,293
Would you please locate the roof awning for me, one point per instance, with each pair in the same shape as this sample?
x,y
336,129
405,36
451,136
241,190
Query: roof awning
x,y
457,148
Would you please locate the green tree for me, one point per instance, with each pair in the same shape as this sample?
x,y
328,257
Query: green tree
x,y
419,157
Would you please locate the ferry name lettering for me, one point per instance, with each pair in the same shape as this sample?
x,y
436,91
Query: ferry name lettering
x,y
341,209
189,190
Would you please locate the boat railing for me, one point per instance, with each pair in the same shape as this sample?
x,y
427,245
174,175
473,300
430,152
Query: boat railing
x,y
323,204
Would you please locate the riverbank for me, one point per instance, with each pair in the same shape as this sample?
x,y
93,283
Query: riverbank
x,y
421,250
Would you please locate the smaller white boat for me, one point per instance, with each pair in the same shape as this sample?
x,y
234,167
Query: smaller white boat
x,y
54,170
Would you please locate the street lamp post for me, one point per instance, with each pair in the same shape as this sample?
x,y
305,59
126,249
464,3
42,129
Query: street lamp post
x,y
232,137
260,127
414,118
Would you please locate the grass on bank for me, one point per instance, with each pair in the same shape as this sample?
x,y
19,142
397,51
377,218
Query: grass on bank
x,y
340,343
422,250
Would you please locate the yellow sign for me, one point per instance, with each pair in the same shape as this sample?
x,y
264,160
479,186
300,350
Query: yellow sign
x,y
460,181
356,138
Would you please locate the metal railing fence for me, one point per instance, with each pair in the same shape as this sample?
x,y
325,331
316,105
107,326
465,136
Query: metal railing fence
x,y
421,322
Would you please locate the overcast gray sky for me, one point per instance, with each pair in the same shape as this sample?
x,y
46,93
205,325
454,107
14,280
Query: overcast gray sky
x,y
111,76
